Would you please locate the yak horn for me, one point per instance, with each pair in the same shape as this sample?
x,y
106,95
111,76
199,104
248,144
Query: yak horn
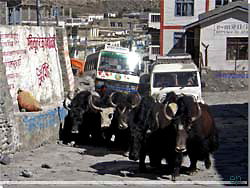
x,y
66,103
199,113
110,99
165,112
91,104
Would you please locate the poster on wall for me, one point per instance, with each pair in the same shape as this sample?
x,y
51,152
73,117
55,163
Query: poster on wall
x,y
31,59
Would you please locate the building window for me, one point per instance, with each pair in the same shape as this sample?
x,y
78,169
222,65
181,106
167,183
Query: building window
x,y
220,3
55,11
179,40
119,24
14,16
155,18
237,48
184,7
112,24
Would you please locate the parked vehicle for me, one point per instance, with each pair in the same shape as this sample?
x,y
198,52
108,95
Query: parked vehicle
x,y
180,76
77,65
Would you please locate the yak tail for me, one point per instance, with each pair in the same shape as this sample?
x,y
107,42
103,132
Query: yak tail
x,y
214,142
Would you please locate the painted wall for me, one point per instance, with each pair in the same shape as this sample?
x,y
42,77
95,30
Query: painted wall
x,y
171,19
30,55
168,43
34,59
37,128
216,36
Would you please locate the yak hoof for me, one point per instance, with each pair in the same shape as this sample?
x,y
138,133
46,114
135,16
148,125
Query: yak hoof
x,y
207,163
173,178
192,171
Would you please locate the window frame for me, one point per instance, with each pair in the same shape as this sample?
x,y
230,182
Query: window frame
x,y
182,6
238,46
175,40
222,3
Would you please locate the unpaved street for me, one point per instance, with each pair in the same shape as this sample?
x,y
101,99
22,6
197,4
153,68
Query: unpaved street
x,y
97,164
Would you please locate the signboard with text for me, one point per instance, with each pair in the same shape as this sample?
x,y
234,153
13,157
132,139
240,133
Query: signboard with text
x,y
231,29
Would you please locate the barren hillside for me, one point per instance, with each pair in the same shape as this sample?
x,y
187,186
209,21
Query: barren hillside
x,y
81,7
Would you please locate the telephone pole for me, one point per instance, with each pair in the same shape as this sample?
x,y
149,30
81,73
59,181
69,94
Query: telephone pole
x,y
38,12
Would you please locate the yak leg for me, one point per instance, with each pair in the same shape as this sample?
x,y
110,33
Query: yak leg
x,y
155,160
192,169
177,166
142,157
207,161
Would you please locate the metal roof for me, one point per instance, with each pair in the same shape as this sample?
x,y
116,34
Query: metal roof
x,y
174,67
217,12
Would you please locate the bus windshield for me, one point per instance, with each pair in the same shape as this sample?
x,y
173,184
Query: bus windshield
x,y
124,63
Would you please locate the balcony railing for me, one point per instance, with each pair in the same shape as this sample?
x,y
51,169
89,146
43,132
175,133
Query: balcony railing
x,y
154,50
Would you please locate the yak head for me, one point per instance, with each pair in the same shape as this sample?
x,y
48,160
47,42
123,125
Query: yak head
x,y
188,112
86,101
123,104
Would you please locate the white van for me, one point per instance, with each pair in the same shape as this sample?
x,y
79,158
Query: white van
x,y
182,78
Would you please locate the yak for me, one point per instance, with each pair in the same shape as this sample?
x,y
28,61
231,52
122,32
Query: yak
x,y
195,134
118,133
146,122
88,114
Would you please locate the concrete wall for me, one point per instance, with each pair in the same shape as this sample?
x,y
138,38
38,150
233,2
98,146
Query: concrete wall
x,y
43,68
37,128
30,55
217,41
3,6
9,136
171,20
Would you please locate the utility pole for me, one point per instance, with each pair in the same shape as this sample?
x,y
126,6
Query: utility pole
x,y
235,60
86,43
38,12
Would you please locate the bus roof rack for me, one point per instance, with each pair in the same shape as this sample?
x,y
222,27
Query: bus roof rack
x,y
116,48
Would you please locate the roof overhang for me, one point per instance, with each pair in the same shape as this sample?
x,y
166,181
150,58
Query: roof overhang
x,y
215,14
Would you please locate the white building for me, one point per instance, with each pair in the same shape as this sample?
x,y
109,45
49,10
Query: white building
x,y
178,15
219,39
154,32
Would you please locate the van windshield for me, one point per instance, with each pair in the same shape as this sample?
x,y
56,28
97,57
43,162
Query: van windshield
x,y
175,79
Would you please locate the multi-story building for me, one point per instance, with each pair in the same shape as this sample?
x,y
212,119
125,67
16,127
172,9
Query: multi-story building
x,y
154,33
24,12
175,14
219,39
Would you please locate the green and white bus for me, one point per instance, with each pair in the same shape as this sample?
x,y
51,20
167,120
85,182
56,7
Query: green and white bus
x,y
115,67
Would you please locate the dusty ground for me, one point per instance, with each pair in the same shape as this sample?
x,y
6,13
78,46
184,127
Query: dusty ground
x,y
56,162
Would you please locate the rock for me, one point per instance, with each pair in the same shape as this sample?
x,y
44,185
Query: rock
x,y
46,166
26,174
5,159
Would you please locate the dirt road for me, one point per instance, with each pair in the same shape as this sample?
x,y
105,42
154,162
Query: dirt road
x,y
56,162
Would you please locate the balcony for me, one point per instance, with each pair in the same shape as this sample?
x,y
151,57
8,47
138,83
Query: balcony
x,y
154,50
154,20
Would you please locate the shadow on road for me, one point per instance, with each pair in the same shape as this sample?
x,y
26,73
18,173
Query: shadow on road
x,y
231,159
129,169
